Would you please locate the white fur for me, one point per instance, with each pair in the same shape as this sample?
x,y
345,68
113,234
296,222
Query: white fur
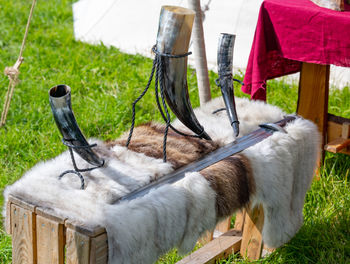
x,y
283,167
172,215
139,231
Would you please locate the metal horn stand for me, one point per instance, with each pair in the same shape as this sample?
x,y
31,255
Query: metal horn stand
x,y
76,169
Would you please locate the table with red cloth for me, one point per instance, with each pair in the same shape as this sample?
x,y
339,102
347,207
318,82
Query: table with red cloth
x,y
298,35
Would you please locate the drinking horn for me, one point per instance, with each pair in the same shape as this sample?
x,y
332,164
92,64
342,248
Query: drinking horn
x,y
174,33
225,57
60,101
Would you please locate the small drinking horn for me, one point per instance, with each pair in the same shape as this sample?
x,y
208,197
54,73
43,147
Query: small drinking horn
x,y
225,57
174,33
60,101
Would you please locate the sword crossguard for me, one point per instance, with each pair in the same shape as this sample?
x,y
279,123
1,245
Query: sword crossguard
x,y
273,127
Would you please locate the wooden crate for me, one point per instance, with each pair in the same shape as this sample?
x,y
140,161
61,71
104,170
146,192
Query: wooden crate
x,y
38,236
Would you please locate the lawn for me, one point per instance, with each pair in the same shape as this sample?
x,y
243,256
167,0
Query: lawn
x,y
104,83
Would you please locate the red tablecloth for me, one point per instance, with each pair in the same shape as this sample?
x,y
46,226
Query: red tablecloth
x,y
292,31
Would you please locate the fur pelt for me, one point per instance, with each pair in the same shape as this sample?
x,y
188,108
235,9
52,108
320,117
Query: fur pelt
x,y
148,139
275,172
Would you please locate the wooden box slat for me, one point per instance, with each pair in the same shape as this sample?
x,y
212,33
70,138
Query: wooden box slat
x,y
99,249
252,233
21,203
23,235
50,241
49,214
77,247
91,231
239,222
8,218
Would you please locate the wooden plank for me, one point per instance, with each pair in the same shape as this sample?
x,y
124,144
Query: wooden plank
x,y
99,249
345,130
22,203
334,131
8,218
239,222
252,238
23,235
338,119
50,241
340,127
90,231
337,145
77,247
313,96
49,214
219,248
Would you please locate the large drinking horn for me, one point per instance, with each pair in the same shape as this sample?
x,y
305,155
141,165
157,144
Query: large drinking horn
x,y
174,33
225,57
60,101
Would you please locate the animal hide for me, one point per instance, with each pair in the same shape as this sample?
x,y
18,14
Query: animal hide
x,y
275,172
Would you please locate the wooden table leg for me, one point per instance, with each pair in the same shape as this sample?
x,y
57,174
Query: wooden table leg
x,y
313,96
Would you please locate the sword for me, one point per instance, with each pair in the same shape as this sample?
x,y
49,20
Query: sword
x,y
219,154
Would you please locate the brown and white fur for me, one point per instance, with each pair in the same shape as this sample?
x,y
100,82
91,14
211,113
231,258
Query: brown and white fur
x,y
275,172
231,178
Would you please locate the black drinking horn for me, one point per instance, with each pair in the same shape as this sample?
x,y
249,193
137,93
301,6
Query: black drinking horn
x,y
60,101
174,33
225,57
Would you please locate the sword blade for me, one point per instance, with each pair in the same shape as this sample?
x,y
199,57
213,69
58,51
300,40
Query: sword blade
x,y
219,154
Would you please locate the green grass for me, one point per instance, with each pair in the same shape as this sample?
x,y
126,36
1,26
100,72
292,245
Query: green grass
x,y
104,83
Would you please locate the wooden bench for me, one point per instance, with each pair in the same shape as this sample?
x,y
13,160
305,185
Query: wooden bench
x,y
38,236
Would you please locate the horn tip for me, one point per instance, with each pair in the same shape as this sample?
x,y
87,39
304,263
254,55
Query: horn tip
x,y
205,136
235,126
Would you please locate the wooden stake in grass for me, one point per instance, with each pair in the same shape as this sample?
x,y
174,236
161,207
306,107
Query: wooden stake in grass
x,y
200,56
13,72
